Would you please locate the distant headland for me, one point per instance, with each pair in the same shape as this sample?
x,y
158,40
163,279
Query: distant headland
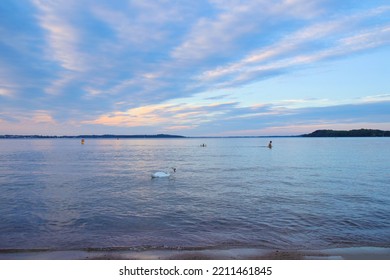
x,y
105,136
349,133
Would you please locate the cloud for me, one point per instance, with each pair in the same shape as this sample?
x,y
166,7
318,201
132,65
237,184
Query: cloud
x,y
376,98
140,24
33,117
210,40
41,116
142,116
33,122
219,119
5,92
303,120
144,30
219,35
62,37
318,42
280,115
165,116
63,57
7,83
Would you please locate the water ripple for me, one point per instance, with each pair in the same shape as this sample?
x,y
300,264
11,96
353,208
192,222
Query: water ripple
x,y
304,193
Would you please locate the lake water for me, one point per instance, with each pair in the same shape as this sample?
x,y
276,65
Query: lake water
x,y
305,193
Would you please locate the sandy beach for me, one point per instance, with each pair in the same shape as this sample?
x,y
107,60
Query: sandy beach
x,y
357,253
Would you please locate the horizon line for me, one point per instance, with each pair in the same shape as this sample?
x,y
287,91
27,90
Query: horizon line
x,y
328,132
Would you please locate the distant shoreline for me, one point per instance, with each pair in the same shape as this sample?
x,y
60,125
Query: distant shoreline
x,y
105,136
318,133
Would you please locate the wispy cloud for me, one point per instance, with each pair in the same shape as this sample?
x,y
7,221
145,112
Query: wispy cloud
x,y
140,24
5,92
19,122
8,86
314,43
220,118
62,37
165,116
41,116
271,119
219,35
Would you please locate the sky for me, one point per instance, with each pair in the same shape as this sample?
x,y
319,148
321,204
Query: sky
x,y
193,68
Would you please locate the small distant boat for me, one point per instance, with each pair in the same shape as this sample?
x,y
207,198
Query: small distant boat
x,y
162,174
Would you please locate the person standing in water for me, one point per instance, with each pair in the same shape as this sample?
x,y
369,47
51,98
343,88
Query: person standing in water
x,y
270,144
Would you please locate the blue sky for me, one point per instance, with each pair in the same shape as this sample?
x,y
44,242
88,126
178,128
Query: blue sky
x,y
194,68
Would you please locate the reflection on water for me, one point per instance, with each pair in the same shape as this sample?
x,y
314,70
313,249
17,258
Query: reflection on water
x,y
304,193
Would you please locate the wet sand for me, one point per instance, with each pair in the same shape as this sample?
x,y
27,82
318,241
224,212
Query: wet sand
x,y
359,253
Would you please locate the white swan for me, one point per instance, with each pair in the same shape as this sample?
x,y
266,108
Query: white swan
x,y
162,174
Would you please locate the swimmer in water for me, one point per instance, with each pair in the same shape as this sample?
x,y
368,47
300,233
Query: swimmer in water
x,y
270,145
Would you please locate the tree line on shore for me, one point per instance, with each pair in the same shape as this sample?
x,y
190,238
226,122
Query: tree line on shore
x,y
349,133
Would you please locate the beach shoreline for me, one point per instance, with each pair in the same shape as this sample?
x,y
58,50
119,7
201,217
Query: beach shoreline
x,y
355,253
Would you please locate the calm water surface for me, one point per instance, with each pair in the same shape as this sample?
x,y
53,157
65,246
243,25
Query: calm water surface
x,y
305,193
